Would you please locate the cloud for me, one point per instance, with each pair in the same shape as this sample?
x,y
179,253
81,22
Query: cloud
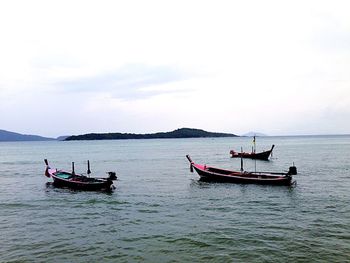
x,y
143,69
130,82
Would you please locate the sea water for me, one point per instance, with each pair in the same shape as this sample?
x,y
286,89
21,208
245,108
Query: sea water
x,y
160,212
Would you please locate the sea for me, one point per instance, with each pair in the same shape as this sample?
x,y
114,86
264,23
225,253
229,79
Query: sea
x,y
160,212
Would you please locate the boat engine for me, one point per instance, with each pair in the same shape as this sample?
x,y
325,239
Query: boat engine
x,y
112,176
292,170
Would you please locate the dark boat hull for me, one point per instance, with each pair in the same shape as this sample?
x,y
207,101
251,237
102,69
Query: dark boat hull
x,y
80,182
221,175
212,177
258,156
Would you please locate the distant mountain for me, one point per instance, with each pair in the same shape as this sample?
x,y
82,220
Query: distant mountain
x,y
251,134
179,133
6,136
62,138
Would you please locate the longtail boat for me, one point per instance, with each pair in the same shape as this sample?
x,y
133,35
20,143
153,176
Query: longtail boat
x,y
253,155
79,181
208,173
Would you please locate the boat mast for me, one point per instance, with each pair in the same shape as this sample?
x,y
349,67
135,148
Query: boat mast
x,y
73,168
88,170
241,159
255,164
254,144
254,152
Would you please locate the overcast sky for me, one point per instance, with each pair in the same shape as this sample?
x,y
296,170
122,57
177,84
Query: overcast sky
x,y
74,67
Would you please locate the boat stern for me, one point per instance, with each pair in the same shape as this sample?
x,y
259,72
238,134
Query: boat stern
x,y
292,170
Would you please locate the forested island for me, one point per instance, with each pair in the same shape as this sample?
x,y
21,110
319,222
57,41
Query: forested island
x,y
179,133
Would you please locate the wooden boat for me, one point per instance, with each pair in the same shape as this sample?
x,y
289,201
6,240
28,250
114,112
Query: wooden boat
x,y
79,181
253,155
208,173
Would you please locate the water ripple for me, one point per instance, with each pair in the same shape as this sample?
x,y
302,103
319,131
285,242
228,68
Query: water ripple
x,y
160,212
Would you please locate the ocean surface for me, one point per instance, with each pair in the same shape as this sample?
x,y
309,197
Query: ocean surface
x,y
160,212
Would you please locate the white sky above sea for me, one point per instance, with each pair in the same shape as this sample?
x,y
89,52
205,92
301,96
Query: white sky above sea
x,y
75,67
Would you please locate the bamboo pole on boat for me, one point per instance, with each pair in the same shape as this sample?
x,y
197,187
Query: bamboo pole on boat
x,y
254,144
241,159
88,170
73,172
255,164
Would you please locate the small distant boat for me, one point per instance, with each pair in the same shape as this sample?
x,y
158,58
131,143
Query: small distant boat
x,y
253,155
79,181
208,173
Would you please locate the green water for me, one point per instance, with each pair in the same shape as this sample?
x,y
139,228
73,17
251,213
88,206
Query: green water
x,y
160,212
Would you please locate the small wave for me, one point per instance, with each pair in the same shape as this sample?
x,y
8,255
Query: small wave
x,y
148,211
18,205
188,242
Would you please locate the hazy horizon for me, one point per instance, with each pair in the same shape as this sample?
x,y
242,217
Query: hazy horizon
x,y
77,67
247,134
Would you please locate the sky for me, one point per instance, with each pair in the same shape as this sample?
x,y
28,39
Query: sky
x,y
76,67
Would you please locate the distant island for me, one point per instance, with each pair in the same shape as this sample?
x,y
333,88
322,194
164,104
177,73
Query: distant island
x,y
62,138
179,133
7,136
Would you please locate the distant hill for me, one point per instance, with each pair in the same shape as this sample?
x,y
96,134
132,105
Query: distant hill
x,y
179,133
62,138
6,136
